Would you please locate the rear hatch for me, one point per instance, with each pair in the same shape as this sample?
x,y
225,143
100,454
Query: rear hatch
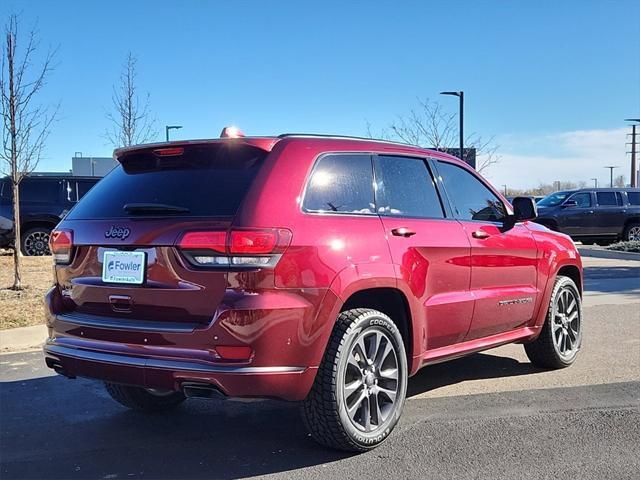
x,y
123,266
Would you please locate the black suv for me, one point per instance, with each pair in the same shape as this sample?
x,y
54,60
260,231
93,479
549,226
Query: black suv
x,y
593,215
44,200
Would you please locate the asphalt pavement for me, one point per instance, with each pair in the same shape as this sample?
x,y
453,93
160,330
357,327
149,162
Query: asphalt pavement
x,y
490,415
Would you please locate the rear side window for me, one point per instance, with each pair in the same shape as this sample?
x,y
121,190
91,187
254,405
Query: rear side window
x,y
340,183
606,199
205,180
634,198
404,187
40,191
471,199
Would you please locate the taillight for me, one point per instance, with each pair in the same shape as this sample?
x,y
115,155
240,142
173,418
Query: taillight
x,y
61,245
237,248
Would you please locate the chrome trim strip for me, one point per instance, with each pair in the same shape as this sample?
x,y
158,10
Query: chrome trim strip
x,y
177,365
118,323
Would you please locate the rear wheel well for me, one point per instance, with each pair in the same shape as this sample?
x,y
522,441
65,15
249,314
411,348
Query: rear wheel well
x,y
392,303
35,224
573,273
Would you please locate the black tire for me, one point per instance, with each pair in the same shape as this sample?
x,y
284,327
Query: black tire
x,y
604,243
326,409
632,232
34,242
546,350
138,398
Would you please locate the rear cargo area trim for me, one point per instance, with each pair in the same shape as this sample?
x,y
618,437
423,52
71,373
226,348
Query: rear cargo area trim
x,y
176,365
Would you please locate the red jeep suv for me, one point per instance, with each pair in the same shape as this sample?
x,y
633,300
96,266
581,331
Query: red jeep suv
x,y
319,269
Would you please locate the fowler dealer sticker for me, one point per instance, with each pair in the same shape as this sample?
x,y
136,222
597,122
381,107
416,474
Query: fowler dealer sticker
x,y
123,267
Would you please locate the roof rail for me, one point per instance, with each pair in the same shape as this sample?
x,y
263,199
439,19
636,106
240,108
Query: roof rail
x,y
345,137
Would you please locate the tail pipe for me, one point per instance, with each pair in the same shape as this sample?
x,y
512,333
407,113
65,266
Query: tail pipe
x,y
201,390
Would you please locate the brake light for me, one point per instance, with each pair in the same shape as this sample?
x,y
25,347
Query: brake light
x,y
204,241
169,152
237,247
61,245
252,241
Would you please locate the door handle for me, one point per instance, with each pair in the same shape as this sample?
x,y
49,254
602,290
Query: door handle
x,y
480,234
403,232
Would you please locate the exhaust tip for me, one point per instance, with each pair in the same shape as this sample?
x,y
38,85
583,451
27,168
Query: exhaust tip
x,y
57,367
201,390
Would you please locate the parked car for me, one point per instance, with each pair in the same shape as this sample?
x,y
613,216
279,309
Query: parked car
x,y
44,199
325,270
592,215
536,198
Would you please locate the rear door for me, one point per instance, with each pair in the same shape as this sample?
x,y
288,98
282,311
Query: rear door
x,y
137,214
609,215
503,258
429,248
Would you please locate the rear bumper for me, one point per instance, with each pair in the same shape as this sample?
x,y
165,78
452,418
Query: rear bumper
x,y
284,382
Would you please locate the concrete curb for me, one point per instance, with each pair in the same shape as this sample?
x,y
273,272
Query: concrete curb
x,y
23,338
612,254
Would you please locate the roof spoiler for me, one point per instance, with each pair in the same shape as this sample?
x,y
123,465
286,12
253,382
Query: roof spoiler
x,y
263,143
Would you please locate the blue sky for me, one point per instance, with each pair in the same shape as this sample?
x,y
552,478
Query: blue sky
x,y
547,79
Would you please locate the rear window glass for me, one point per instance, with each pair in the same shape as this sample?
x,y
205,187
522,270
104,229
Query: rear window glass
x,y
405,188
40,191
206,180
634,198
606,199
341,184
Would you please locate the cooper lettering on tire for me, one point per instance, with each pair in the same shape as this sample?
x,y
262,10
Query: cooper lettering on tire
x,y
360,388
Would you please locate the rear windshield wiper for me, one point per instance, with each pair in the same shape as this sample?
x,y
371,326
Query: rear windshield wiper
x,y
154,208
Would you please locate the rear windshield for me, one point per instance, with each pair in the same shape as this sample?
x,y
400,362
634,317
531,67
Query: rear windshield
x,y
205,180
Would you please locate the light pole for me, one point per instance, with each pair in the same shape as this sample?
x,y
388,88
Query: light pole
x,y
595,182
634,168
170,127
505,189
460,96
611,167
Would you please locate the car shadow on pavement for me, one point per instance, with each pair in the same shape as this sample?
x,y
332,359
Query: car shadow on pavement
x,y
473,367
58,428
611,279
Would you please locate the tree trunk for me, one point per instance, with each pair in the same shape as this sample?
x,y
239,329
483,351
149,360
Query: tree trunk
x,y
17,254
15,173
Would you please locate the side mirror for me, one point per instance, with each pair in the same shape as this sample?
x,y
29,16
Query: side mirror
x,y
570,203
524,208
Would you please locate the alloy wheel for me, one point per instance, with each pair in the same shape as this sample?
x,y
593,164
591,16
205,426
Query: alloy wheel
x,y
567,323
36,244
371,380
634,234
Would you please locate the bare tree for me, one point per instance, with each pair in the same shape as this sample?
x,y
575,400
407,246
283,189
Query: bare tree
x,y
26,125
131,118
429,126
619,181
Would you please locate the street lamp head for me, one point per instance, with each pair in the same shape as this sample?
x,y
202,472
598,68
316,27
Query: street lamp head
x,y
174,127
455,94
632,120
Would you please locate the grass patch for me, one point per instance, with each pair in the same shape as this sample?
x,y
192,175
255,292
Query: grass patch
x,y
633,247
25,307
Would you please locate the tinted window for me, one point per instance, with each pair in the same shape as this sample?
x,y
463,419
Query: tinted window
x,y
470,198
404,187
634,198
40,191
582,199
341,183
606,198
206,180
554,199
83,187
